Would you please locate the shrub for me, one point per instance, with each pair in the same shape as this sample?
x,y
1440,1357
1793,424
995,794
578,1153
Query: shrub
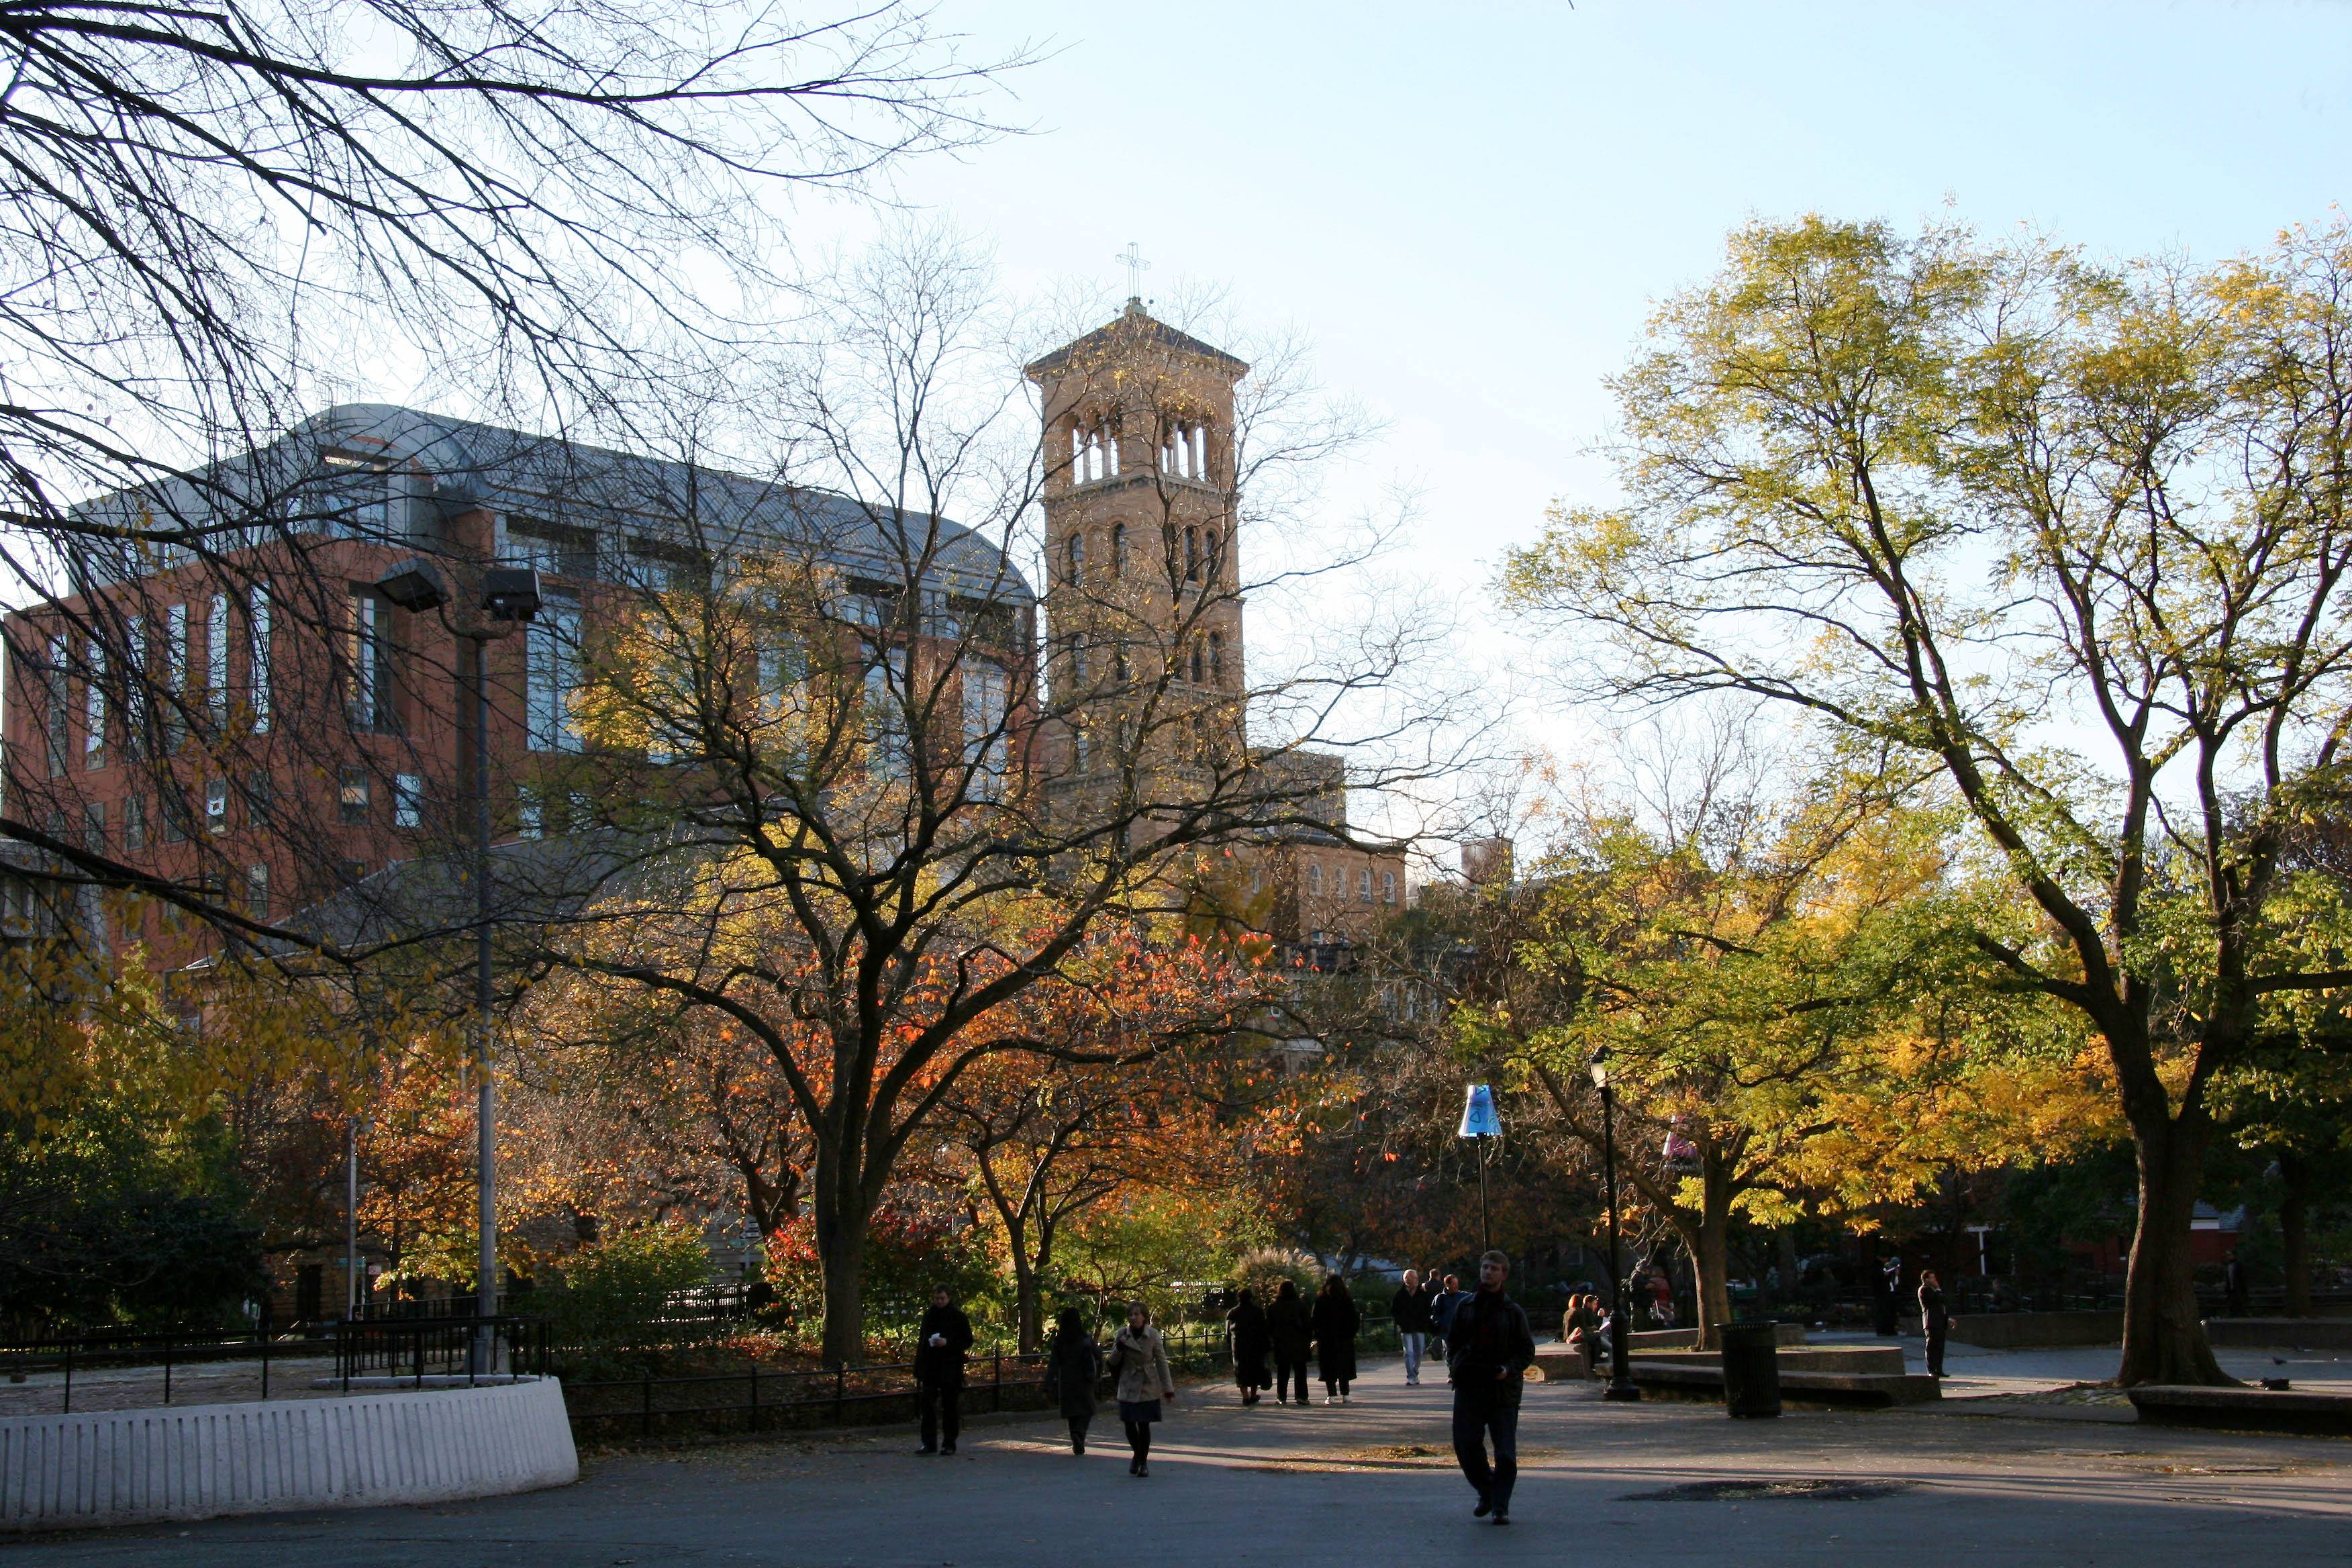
x,y
612,1288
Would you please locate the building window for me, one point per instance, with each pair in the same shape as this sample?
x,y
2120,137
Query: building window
x,y
1200,668
1192,556
217,805
1364,885
551,675
217,657
175,673
1216,659
173,807
531,819
257,801
93,703
60,719
1075,553
93,826
1388,887
986,691
1118,550
134,685
134,823
892,756
257,891
407,800
256,659
367,655
1315,878
353,795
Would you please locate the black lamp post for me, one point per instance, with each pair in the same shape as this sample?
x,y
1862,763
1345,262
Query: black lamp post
x,y
510,599
1620,1369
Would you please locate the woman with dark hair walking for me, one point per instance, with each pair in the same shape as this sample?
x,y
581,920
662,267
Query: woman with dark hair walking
x,y
1072,1367
1139,1356
1336,1319
1247,1333
1289,1334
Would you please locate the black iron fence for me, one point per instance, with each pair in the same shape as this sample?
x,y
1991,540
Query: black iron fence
x,y
413,1348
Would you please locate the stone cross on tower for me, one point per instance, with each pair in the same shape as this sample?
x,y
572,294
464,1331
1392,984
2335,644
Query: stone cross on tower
x,y
1132,259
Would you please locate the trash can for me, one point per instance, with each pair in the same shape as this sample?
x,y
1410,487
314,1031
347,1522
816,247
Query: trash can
x,y
1751,1369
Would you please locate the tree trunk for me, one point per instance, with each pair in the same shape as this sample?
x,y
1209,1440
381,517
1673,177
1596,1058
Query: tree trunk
x,y
1026,1332
841,1222
2294,1231
2164,1330
1710,1255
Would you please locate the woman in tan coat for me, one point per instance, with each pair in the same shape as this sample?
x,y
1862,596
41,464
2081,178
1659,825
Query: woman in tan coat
x,y
1139,1356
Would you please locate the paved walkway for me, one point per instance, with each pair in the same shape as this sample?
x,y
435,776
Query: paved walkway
x,y
1365,1485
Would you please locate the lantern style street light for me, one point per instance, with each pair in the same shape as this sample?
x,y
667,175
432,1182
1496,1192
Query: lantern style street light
x,y
509,598
1620,1369
1479,1122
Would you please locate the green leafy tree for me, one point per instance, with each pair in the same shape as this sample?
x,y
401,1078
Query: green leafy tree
x,y
2073,536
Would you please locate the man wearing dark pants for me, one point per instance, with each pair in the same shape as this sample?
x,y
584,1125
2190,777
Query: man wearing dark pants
x,y
939,1347
1489,1349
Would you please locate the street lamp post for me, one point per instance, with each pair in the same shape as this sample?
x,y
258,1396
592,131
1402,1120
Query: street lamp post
x,y
510,599
1620,1369
1480,1122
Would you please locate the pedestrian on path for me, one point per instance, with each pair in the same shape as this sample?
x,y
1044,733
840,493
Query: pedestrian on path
x,y
1139,1356
1935,1320
1490,1349
1443,1306
1289,1334
1336,1321
1246,1335
1073,1368
940,1346
1409,1308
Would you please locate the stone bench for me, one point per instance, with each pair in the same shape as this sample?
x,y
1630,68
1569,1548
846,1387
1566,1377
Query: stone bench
x,y
1800,1358
1680,1378
2244,1409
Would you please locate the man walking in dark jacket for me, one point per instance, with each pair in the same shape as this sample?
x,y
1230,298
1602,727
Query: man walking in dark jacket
x,y
1409,1308
1489,1348
939,1347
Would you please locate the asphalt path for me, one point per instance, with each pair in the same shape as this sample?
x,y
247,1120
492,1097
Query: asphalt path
x,y
1370,1483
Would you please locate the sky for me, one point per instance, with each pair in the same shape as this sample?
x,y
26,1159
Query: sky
x,y
1470,210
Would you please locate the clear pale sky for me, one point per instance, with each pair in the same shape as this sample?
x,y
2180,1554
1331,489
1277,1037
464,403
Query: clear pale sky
x,y
1469,208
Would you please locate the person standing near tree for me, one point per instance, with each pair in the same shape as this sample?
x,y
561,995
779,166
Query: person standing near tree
x,y
1489,1350
1288,1333
1246,1336
1139,1356
941,1344
1073,1368
1885,1293
1935,1320
1409,1308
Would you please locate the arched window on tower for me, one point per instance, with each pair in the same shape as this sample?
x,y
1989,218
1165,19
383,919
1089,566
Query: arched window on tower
x,y
1199,451
1315,877
1192,556
1217,658
1077,453
1214,549
1200,671
1076,550
1118,550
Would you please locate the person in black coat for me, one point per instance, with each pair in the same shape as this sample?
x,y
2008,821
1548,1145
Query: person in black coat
x,y
1247,1333
1335,1322
1073,1373
1289,1332
940,1348
1885,1288
1935,1320
1487,1352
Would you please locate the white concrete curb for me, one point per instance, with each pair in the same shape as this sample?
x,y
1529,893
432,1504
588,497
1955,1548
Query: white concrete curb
x,y
130,1466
